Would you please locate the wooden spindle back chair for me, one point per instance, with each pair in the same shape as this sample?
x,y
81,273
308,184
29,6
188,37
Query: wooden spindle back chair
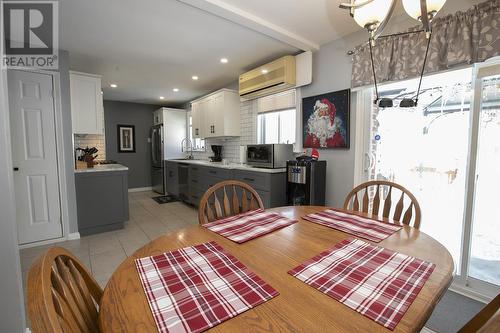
x,y
373,197
227,198
485,321
62,295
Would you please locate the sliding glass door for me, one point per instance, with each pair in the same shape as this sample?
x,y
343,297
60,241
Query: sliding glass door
x,y
447,152
481,246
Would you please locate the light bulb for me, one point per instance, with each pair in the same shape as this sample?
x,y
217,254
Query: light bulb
x,y
412,7
372,14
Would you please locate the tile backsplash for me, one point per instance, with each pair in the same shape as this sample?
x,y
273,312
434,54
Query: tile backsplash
x,y
92,140
231,146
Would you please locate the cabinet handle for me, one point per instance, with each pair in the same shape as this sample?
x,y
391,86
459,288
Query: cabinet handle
x,y
195,196
213,172
194,181
249,179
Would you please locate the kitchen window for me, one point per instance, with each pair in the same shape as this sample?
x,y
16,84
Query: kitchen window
x,y
277,118
276,127
198,144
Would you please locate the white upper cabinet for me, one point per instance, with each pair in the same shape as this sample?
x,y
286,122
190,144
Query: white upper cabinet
x,y
216,115
87,111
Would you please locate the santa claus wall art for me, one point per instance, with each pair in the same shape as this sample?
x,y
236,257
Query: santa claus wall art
x,y
326,120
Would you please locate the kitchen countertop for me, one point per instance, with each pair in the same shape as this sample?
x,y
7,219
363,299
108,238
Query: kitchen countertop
x,y
231,166
103,167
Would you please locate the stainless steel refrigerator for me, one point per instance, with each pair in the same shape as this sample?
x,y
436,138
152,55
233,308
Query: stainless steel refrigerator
x,y
167,133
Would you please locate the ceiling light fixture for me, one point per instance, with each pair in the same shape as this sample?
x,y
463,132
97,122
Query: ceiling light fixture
x,y
113,85
264,71
175,90
224,60
194,77
161,97
373,15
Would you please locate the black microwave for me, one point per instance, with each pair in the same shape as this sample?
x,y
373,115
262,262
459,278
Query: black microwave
x,y
270,156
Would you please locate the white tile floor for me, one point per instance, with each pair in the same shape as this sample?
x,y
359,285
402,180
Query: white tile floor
x,y
103,253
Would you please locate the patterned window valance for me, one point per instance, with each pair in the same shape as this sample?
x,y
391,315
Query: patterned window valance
x,y
458,39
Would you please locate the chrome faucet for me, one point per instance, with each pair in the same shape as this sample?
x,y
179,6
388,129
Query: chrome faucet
x,y
189,147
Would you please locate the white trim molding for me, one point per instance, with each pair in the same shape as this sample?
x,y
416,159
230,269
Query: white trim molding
x,y
251,21
73,236
140,189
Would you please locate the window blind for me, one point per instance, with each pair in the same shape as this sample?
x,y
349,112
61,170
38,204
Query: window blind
x,y
281,101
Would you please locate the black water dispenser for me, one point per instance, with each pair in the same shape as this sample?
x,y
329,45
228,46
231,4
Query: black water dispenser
x,y
306,182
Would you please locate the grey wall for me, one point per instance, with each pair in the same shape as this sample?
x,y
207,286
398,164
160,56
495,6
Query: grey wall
x,y
12,317
141,116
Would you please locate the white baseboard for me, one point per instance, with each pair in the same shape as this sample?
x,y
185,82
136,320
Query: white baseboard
x,y
468,292
140,189
427,330
73,236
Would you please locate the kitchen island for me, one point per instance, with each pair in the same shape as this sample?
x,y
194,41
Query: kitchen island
x,y
101,198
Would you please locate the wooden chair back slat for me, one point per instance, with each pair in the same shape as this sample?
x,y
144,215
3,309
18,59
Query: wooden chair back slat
x,y
210,213
366,202
355,205
244,201
62,295
376,201
399,207
485,321
387,203
236,202
68,299
227,205
75,293
218,208
231,207
64,316
84,291
372,205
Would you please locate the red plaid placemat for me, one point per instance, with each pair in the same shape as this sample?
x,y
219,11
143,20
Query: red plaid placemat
x,y
379,283
244,227
195,288
356,225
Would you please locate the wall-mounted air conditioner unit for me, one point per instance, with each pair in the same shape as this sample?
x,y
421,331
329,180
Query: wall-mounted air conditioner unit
x,y
282,74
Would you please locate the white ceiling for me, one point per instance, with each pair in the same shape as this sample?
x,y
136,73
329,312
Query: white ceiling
x,y
150,47
319,21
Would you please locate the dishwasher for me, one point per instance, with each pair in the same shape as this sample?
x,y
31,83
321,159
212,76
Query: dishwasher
x,y
184,182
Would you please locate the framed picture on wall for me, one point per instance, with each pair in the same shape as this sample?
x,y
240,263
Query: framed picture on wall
x,y
326,120
126,138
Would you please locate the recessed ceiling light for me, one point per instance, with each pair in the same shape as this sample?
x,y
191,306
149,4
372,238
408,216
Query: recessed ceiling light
x,y
161,97
113,85
224,60
264,71
194,77
175,90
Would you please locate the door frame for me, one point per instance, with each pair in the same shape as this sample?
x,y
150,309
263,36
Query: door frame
x,y
61,157
463,283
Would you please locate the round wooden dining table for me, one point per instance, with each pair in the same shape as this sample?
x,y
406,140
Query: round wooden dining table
x,y
299,307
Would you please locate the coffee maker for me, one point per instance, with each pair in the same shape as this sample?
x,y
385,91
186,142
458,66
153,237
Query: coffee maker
x,y
217,154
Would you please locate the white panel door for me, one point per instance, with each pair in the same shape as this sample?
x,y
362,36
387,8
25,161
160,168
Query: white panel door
x,y
34,156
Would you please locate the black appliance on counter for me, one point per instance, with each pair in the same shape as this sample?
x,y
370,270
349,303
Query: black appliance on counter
x,y
306,182
217,154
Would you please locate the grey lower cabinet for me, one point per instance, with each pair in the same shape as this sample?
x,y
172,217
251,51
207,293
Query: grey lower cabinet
x,y
271,187
102,201
172,178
